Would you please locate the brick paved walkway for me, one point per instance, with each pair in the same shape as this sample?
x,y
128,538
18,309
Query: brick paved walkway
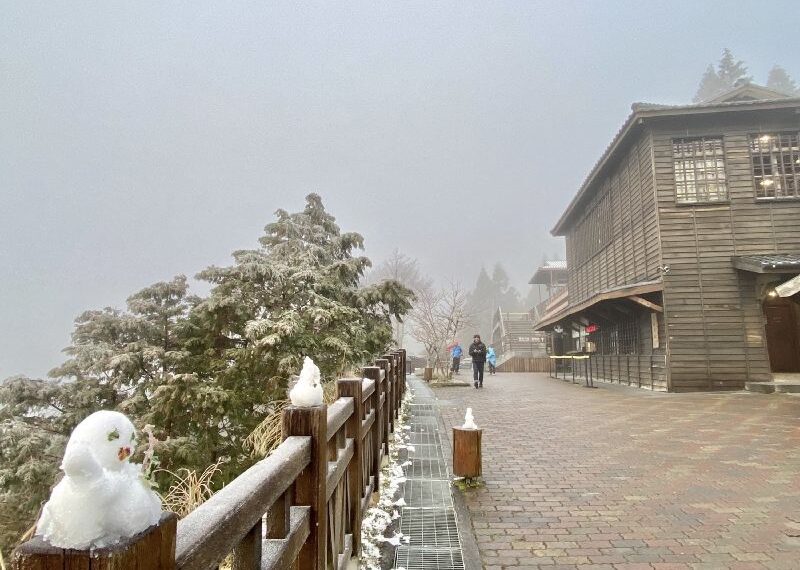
x,y
625,479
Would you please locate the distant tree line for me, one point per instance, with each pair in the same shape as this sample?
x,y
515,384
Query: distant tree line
x,y
730,71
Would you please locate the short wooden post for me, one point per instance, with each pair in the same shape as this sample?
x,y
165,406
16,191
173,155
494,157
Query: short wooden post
x,y
352,388
152,549
467,452
427,374
310,488
383,364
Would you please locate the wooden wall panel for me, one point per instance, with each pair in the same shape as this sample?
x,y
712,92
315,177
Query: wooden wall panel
x,y
714,317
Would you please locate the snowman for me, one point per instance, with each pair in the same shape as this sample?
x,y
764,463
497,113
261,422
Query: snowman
x,y
469,420
103,496
308,389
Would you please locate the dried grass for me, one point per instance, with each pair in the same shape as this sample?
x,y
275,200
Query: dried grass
x,y
189,490
267,435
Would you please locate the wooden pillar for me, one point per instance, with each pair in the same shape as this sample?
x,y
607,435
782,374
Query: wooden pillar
x,y
351,388
383,364
152,549
393,390
310,488
467,452
374,373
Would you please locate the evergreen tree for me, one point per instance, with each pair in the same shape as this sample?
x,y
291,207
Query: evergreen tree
x,y
202,371
730,71
779,80
715,82
710,86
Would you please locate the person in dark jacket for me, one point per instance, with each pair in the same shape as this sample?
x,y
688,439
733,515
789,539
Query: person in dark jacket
x,y
477,350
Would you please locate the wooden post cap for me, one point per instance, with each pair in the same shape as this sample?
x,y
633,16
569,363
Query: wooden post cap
x,y
151,549
467,452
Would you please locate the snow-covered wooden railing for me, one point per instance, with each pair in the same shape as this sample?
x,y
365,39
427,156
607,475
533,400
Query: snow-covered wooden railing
x,y
301,507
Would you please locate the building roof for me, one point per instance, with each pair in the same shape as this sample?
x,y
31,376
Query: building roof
x,y
742,98
544,272
768,262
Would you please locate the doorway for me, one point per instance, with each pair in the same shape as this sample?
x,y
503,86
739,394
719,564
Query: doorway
x,y
782,334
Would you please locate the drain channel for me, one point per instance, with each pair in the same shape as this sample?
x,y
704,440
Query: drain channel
x,y
428,519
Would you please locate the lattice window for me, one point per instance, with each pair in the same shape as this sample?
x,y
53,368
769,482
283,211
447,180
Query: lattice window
x,y
776,165
618,338
699,170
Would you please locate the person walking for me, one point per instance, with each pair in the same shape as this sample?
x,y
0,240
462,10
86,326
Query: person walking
x,y
477,350
456,353
491,359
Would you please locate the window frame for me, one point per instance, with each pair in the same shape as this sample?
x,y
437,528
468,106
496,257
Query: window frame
x,y
794,161
717,169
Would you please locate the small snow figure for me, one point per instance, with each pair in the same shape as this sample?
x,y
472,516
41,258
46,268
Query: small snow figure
x,y
469,421
308,389
102,497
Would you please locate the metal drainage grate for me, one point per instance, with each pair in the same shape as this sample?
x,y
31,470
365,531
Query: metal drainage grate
x,y
424,438
430,528
425,452
426,469
427,493
423,423
422,559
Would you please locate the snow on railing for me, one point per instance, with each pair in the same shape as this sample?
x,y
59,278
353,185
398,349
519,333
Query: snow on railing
x,y
300,507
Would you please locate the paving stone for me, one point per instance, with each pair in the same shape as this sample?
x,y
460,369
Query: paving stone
x,y
632,479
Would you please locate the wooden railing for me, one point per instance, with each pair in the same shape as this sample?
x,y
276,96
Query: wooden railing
x,y
301,507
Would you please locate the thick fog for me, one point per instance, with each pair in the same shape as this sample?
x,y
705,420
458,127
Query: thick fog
x,y
142,140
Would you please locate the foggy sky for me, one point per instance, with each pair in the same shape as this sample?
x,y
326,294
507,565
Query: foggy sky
x,y
139,140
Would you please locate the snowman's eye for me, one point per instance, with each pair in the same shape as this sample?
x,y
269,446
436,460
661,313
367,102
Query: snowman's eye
x,y
113,434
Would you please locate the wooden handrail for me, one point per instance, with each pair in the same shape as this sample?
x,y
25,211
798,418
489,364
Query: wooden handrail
x,y
338,412
207,534
300,507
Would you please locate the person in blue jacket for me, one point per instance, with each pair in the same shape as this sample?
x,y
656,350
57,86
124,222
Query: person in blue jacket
x,y
491,359
456,353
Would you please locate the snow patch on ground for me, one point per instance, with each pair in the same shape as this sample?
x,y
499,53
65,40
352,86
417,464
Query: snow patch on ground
x,y
380,518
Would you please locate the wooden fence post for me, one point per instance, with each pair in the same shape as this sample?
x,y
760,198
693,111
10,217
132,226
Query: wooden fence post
x,y
351,388
311,486
404,368
391,376
390,383
374,373
152,549
383,364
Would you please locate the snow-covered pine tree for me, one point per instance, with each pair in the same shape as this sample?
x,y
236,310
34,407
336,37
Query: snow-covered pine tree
x,y
203,371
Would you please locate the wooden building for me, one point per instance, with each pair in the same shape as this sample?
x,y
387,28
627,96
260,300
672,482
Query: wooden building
x,y
676,241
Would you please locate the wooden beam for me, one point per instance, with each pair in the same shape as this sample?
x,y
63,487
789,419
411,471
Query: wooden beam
x,y
645,303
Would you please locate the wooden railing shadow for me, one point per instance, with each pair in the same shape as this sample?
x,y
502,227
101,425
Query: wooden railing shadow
x,y
300,508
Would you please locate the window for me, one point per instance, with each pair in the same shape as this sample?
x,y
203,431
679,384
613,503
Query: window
x,y
699,170
776,165
593,233
617,338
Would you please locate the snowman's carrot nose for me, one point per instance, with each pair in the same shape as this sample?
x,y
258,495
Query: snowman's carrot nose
x,y
124,453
